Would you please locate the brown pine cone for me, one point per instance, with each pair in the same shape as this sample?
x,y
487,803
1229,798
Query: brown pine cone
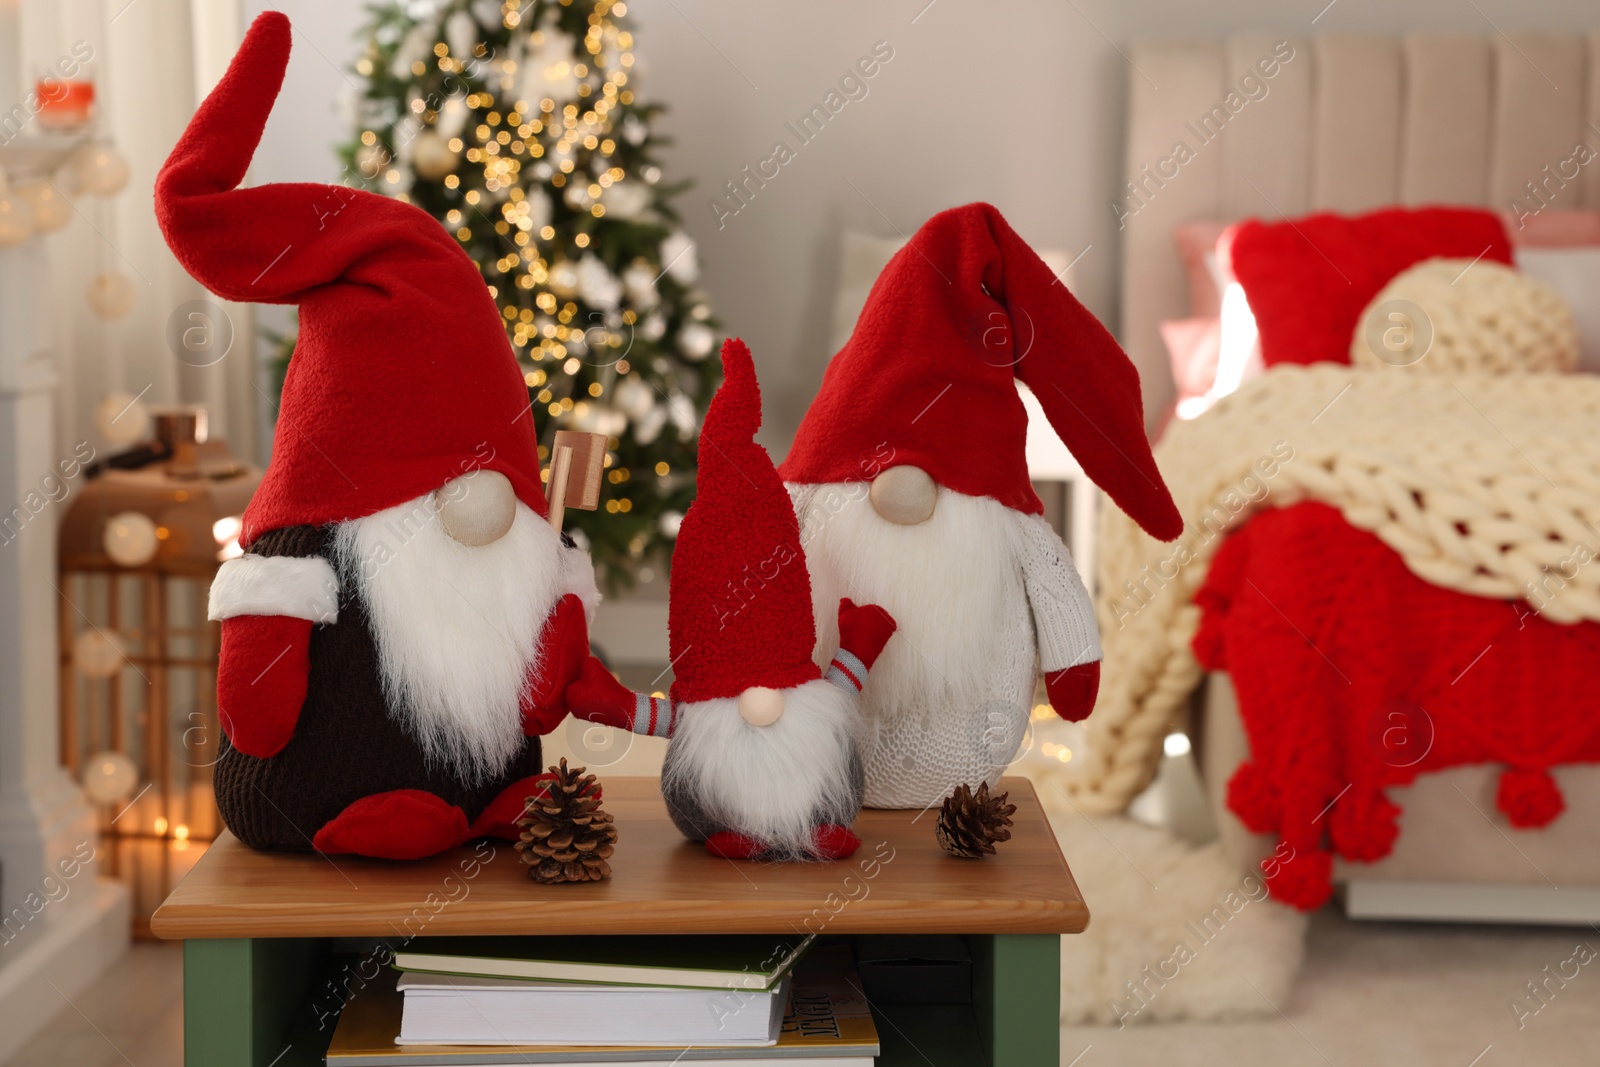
x,y
565,835
971,824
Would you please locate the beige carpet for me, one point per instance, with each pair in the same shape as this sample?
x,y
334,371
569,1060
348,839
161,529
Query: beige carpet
x,y
1390,995
1369,995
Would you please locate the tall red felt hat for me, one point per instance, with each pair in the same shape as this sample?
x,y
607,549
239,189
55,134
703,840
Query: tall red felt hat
x,y
740,601
402,377
960,314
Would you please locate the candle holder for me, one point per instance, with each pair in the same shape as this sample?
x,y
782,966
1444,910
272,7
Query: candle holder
x,y
65,104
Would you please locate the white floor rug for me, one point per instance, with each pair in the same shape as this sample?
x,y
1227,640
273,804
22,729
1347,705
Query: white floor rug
x,y
1175,930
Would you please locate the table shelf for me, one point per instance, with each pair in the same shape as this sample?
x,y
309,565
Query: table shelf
x,y
910,1035
898,882
259,927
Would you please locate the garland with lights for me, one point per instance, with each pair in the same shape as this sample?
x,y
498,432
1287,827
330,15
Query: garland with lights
x,y
515,124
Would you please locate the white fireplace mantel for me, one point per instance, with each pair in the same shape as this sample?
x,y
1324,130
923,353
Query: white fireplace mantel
x,y
66,930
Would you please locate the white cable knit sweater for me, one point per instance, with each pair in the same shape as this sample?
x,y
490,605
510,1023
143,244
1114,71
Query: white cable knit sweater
x,y
948,701
1063,614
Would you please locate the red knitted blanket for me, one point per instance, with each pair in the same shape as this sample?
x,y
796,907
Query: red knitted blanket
x,y
1354,675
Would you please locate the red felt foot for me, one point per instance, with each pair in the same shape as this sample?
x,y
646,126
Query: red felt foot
x,y
834,842
402,824
734,846
499,819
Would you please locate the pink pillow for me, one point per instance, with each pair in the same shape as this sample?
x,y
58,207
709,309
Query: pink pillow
x,y
1192,346
1196,241
1554,229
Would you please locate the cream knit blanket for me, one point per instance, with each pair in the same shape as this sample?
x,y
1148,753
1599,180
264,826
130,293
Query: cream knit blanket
x,y
1485,484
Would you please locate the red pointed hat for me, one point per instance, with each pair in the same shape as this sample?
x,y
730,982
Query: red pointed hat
x,y
740,601
402,377
960,314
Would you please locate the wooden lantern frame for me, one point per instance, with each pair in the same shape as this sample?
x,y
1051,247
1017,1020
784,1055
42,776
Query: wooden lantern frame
x,y
163,694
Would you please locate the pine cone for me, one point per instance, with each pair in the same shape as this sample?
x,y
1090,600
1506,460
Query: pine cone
x,y
565,835
970,824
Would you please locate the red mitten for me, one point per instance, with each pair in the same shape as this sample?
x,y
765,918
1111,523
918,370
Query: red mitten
x,y
565,645
261,680
598,697
1072,691
864,630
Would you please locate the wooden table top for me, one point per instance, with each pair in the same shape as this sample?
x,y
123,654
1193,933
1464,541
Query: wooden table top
x,y
900,881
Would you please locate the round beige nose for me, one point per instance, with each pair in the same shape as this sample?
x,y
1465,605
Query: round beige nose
x,y
477,508
904,495
760,706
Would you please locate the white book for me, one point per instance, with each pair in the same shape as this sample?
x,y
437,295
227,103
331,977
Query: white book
x,y
443,1009
730,962
827,1023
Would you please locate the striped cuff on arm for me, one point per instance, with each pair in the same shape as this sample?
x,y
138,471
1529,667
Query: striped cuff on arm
x,y
653,716
847,672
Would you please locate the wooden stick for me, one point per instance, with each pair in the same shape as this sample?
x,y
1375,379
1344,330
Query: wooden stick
x,y
560,470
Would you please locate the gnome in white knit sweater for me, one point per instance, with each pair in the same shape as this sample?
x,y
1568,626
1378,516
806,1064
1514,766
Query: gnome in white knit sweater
x,y
909,477
764,760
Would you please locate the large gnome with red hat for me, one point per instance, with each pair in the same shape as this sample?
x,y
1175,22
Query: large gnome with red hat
x,y
404,619
910,480
764,759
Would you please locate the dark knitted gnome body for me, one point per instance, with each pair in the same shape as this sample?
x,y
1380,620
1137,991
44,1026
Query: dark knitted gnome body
x,y
347,745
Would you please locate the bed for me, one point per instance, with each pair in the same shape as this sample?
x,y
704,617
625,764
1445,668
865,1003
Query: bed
x,y
1351,125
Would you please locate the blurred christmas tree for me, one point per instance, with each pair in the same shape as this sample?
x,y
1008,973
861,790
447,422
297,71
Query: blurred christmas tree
x,y
516,126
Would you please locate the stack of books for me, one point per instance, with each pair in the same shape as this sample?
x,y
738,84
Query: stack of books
x,y
641,1000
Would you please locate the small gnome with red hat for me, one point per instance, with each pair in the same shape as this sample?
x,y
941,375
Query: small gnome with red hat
x,y
764,759
909,476
404,619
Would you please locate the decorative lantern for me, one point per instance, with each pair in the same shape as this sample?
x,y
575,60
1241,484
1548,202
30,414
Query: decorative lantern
x,y
139,547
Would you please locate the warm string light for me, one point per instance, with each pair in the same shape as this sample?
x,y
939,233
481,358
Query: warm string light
x,y
529,168
586,128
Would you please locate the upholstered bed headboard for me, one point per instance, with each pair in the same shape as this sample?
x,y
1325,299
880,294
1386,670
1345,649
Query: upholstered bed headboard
x,y
1345,123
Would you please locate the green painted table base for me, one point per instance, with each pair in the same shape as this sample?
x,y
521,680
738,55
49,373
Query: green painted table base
x,y
1016,996
247,1003
241,999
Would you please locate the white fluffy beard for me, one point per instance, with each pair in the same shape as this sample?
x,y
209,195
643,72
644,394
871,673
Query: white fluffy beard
x,y
772,783
947,701
457,627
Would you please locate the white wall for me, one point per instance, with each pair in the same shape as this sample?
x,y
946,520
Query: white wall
x,y
1020,104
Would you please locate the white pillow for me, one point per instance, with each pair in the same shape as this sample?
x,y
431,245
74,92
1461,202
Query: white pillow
x,y
862,258
1575,274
